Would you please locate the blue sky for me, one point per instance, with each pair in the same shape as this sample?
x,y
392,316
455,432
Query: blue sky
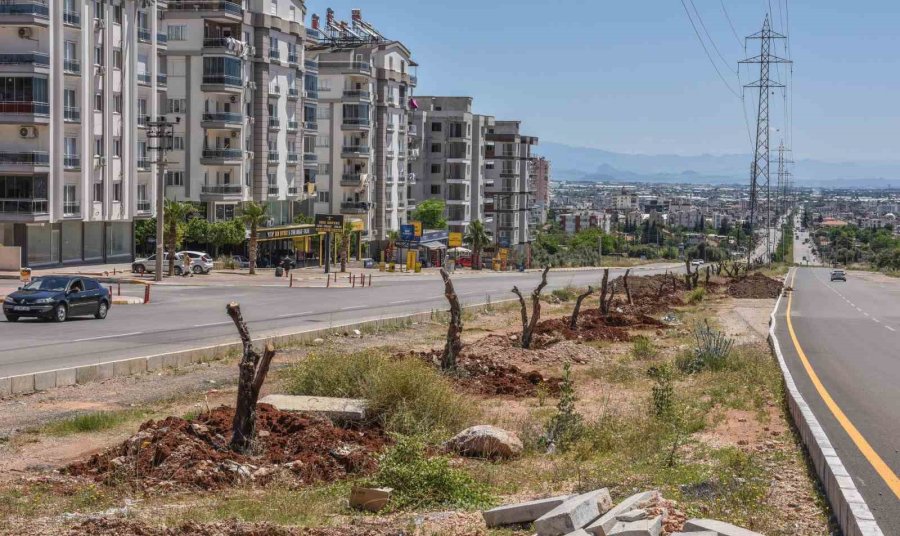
x,y
630,76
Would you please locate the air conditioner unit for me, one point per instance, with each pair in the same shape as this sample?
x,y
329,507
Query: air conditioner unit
x,y
251,85
28,132
251,50
101,161
101,24
25,32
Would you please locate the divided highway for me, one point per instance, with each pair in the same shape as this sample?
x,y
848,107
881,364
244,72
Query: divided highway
x,y
182,318
847,336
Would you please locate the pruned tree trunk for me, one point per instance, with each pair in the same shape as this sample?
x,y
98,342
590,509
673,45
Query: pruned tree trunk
x,y
706,282
453,345
612,294
529,325
604,288
627,290
253,249
253,369
573,322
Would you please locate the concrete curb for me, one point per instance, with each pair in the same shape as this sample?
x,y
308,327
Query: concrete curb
x,y
850,509
42,381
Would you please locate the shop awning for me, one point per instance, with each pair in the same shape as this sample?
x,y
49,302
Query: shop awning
x,y
433,245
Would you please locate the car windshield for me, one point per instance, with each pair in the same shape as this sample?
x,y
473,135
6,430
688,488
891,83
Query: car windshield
x,y
48,283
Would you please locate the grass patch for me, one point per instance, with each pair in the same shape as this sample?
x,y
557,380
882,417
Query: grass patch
x,y
406,395
696,296
642,348
96,421
567,293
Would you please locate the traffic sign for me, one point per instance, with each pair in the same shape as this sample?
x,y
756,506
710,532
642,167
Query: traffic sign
x,y
407,232
455,240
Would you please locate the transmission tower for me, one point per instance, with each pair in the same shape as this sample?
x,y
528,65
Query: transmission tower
x,y
759,176
784,179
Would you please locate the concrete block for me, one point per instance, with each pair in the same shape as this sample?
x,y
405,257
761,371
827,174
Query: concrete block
x,y
579,532
44,380
65,377
86,374
719,527
22,384
351,409
641,527
5,386
155,363
122,368
105,371
701,533
137,366
602,526
571,515
515,514
632,515
370,499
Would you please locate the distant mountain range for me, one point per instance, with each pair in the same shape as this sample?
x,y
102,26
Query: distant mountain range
x,y
584,163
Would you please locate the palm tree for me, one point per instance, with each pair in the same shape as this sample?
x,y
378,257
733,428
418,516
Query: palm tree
x,y
344,240
476,237
176,214
392,237
253,215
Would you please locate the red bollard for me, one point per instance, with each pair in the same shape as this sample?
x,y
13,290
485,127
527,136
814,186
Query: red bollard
x,y
352,281
291,284
119,289
146,293
328,282
370,280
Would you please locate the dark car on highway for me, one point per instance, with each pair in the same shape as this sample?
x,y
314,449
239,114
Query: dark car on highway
x,y
57,298
838,275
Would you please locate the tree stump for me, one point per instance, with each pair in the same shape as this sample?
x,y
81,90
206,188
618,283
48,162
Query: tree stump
x,y
529,325
573,322
453,346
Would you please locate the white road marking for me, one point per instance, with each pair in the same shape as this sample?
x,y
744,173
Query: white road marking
x,y
867,314
355,307
858,309
294,314
211,324
397,302
877,321
890,328
108,337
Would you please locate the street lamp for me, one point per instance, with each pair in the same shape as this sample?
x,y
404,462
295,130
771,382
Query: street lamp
x,y
163,130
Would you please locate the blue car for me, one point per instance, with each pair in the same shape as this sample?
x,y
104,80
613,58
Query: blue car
x,y
57,298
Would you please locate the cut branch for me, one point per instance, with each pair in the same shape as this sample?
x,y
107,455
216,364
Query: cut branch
x,y
573,322
627,290
453,346
528,326
604,288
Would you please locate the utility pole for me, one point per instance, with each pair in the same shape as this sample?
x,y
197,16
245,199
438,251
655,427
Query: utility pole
x,y
761,161
162,130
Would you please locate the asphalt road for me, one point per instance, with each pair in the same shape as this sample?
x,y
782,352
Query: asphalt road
x,y
802,249
181,318
850,335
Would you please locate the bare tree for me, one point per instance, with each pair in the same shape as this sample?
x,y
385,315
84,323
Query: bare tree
x,y
706,282
627,290
528,326
604,288
253,369
609,300
573,322
691,277
454,345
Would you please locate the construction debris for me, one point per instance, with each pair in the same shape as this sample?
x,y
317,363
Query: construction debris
x,y
485,441
370,499
339,409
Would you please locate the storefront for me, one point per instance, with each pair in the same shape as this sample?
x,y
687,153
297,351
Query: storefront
x,y
299,242
70,242
433,248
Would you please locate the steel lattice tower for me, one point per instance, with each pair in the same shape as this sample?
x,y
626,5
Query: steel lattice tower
x,y
759,175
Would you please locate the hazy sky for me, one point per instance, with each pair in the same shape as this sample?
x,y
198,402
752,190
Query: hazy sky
x,y
631,76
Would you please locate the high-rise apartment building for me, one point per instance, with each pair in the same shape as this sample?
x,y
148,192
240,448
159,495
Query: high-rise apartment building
x,y
79,79
451,163
364,87
541,172
509,191
236,82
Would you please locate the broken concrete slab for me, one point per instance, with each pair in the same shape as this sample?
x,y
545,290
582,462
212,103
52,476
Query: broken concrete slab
x,y
515,514
602,526
485,441
370,499
632,515
573,514
349,409
719,527
702,533
641,527
579,532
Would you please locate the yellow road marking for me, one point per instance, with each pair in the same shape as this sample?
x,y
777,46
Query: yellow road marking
x,y
864,447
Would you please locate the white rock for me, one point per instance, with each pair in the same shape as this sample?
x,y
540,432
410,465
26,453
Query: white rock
x,y
485,441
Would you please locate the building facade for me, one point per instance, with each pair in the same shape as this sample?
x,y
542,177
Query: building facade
x,y
541,171
509,191
79,79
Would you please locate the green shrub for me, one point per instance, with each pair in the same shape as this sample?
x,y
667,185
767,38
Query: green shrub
x,y
663,393
643,348
422,482
92,422
711,351
567,425
696,296
405,395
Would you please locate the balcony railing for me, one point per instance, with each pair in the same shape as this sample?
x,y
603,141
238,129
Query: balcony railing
x,y
311,94
311,65
222,189
143,79
71,208
274,156
72,18
293,126
354,208
294,158
142,120
162,79
354,66
24,206
310,126
144,35
273,189
26,58
223,117
274,123
310,157
39,9
143,205
162,38
357,94
274,54
351,179
228,154
357,122
29,158
143,163
356,149
293,190
205,5
24,108
72,66
71,113
293,58
293,93
222,79
72,162
312,33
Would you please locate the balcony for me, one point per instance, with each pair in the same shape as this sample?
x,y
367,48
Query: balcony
x,y
144,35
275,91
273,189
24,112
356,123
294,158
71,209
311,65
354,180
274,123
143,79
26,209
222,192
223,120
293,191
350,207
71,114
312,33
72,162
162,39
293,93
310,126
347,67
72,18
221,83
71,66
311,94
26,62
144,206
162,80
143,163
25,13
28,161
357,95
311,160
293,59
222,45
355,151
293,126
274,56
215,10
222,157
274,157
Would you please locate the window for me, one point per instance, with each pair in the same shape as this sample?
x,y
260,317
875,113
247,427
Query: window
x,y
177,33
117,14
70,201
98,192
98,55
71,147
142,193
435,147
324,168
117,103
98,146
175,178
70,51
436,127
98,9
323,112
117,58
224,212
117,192
98,102
117,147
273,9
176,106
435,189
177,143
323,197
435,168
323,141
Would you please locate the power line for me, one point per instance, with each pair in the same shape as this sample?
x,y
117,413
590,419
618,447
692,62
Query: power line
x,y
706,50
731,24
709,36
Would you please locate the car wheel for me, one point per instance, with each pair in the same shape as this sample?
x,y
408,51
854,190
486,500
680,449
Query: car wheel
x,y
102,311
197,270
178,270
12,318
60,313
141,270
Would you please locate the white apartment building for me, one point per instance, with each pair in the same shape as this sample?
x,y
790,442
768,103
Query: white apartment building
x,y
451,163
364,87
509,191
79,76
236,83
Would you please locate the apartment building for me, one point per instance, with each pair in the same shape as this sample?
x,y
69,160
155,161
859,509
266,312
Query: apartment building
x,y
364,87
245,131
509,191
541,171
451,163
74,174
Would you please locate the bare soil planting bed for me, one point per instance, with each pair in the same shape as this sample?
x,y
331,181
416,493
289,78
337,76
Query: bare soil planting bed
x,y
755,286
